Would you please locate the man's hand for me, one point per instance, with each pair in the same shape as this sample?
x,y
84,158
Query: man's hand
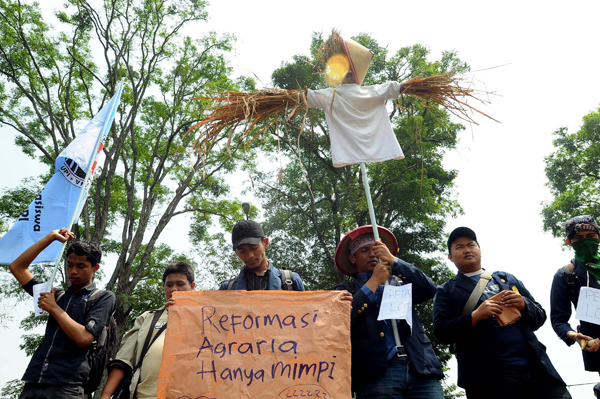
x,y
48,302
346,296
61,235
382,252
170,302
380,275
513,299
487,309
586,343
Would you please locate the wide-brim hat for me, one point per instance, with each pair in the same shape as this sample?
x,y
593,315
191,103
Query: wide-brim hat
x,y
360,59
343,249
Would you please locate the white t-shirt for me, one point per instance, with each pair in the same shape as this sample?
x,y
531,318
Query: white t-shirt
x,y
359,123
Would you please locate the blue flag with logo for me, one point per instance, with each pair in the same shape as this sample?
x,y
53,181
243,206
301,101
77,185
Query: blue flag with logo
x,y
57,204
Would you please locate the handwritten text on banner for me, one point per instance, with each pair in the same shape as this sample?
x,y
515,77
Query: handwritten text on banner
x,y
258,344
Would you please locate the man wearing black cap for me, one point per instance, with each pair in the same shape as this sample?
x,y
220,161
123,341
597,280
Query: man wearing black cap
x,y
584,270
383,365
250,244
498,357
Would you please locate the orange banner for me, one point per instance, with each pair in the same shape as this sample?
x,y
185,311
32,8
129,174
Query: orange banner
x,y
256,344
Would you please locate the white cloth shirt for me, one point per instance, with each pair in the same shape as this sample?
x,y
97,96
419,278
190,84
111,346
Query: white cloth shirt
x,y
359,123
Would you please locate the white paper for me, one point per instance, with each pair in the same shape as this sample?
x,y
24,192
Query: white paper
x,y
37,289
588,305
396,303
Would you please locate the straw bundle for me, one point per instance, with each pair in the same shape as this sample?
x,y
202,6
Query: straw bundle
x,y
444,90
240,108
332,46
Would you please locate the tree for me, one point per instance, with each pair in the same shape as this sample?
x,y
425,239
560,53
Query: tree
x,y
52,81
573,175
312,204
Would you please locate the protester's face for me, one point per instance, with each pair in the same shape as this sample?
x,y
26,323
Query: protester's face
x,y
364,259
80,270
176,282
583,234
465,254
254,256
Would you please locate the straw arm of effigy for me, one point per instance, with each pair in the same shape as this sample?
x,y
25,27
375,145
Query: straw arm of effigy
x,y
269,105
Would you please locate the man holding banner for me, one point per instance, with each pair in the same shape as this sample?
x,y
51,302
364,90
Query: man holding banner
x,y
59,367
582,233
490,319
383,366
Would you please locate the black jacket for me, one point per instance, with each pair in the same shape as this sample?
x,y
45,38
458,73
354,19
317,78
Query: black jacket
x,y
477,348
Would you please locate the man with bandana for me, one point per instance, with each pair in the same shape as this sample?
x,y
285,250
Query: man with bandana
x,y
382,367
584,271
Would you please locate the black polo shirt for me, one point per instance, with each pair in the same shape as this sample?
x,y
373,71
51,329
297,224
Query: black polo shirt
x,y
58,360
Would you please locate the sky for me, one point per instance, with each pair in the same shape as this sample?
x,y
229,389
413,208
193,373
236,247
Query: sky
x,y
546,77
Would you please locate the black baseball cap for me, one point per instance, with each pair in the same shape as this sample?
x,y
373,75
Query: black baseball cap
x,y
461,232
246,232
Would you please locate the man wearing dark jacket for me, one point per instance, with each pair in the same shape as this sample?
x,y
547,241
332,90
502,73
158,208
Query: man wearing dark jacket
x,y
494,360
250,245
382,367
584,270
59,367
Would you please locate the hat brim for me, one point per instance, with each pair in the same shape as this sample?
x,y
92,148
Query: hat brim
x,y
342,251
247,240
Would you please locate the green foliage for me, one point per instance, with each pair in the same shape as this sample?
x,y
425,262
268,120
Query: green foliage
x,y
30,343
573,175
12,389
14,201
54,79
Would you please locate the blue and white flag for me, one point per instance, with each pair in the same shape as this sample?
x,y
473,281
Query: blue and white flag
x,y
57,205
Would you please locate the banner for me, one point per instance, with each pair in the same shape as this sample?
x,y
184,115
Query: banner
x,y
56,204
257,344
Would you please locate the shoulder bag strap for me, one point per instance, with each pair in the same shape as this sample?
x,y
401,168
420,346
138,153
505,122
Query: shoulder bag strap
x,y
147,343
486,276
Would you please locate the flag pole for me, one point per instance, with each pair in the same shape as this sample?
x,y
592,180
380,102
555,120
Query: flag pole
x,y
105,127
365,178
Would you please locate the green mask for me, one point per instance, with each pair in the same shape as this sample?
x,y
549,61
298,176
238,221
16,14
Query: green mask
x,y
586,253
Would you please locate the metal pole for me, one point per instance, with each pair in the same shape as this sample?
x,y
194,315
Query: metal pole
x,y
365,178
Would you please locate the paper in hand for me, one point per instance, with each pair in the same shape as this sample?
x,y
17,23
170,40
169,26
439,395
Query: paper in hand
x,y
396,303
509,314
37,290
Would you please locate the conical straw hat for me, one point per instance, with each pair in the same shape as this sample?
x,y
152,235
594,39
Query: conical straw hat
x,y
360,59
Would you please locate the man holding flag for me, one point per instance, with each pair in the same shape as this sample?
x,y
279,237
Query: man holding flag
x,y
60,367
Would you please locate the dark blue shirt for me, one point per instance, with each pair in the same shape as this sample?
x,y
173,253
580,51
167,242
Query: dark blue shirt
x,y
58,360
375,297
514,349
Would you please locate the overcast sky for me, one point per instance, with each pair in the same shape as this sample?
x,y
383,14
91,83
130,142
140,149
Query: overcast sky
x,y
549,80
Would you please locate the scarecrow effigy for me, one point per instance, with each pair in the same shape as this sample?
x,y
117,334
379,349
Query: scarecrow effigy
x,y
357,117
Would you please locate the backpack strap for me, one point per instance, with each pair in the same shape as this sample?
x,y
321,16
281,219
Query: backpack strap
x,y
287,283
485,278
58,294
571,280
231,283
